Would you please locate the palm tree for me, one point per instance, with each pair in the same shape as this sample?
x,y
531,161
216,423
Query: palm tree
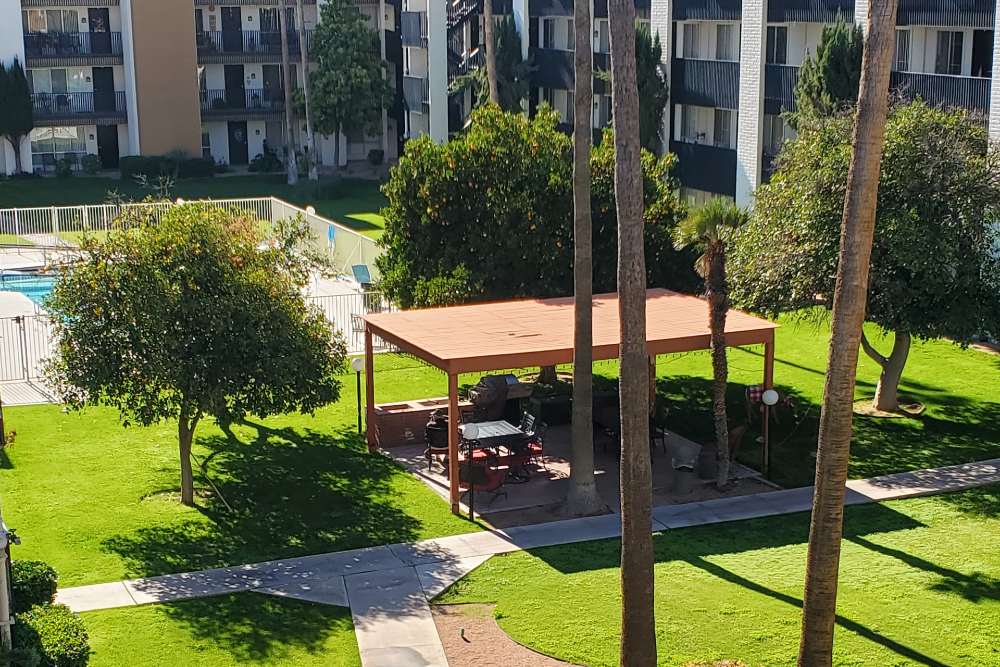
x,y
708,227
489,27
582,498
638,642
286,72
819,607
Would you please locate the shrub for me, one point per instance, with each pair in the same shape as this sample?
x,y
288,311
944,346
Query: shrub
x,y
196,167
64,167
150,166
20,657
376,156
55,633
32,582
90,163
265,162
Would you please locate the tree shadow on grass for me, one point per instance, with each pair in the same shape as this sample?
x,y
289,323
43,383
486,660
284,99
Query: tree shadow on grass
x,y
292,492
254,627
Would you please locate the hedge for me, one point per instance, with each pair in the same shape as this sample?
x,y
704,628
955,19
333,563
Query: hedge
x,y
32,582
154,166
55,633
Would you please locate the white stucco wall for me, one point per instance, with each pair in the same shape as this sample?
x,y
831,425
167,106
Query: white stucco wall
x,y
11,47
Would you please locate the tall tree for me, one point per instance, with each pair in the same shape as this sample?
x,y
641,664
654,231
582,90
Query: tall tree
x,y
933,271
292,163
348,85
489,28
709,227
186,317
654,92
16,111
313,155
819,609
582,498
829,81
638,641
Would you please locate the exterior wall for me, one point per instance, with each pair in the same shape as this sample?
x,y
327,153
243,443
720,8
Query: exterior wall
x,y
163,56
11,47
753,36
437,64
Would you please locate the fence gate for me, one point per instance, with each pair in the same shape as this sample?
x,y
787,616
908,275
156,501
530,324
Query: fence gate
x,y
25,343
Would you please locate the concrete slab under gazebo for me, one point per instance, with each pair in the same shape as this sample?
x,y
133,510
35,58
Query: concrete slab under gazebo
x,y
523,333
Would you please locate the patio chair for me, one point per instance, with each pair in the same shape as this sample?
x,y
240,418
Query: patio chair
x,y
658,426
488,478
436,438
536,444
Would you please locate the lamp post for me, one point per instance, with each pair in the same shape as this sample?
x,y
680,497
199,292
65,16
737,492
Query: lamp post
x,y
769,398
469,433
358,364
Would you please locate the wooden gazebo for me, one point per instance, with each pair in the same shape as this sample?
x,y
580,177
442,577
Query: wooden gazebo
x,y
525,333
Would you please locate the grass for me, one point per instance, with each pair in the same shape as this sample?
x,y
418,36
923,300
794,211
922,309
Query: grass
x,y
353,202
919,585
230,630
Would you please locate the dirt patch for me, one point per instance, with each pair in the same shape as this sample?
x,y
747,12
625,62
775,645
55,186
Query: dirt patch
x,y
908,407
472,638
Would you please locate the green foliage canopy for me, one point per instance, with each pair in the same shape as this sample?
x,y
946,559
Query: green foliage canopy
x,y
829,81
489,215
935,269
654,92
16,109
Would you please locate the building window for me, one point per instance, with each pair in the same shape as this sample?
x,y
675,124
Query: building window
x,y
775,134
949,52
602,110
725,42
777,45
570,107
52,20
723,128
51,144
549,96
692,32
206,145
548,33
902,60
603,35
570,35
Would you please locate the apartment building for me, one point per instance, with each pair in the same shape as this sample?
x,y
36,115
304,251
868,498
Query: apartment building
x,y
732,66
127,77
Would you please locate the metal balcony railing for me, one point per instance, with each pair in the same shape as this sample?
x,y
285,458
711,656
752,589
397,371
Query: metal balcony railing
x,y
226,42
60,105
416,92
72,44
967,92
779,87
707,83
413,28
249,99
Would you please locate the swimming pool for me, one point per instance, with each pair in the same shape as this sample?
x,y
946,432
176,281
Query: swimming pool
x,y
35,287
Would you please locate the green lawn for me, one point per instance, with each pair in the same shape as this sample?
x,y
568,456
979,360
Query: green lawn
x,y
919,585
230,630
352,202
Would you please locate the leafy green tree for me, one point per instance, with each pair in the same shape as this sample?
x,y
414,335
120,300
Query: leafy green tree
x,y
709,228
490,215
16,110
654,92
932,270
829,81
188,317
349,86
513,72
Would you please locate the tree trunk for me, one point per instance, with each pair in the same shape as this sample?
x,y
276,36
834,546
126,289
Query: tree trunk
x,y
582,498
286,73
310,136
185,436
16,142
887,391
857,229
718,306
489,36
638,641
336,152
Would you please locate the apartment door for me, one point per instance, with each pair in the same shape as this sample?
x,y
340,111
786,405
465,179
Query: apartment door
x,y
100,30
232,29
239,149
235,87
273,93
104,89
982,53
107,146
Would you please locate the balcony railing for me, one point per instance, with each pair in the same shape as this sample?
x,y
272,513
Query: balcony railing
x,y
416,92
967,92
61,105
249,100
72,44
705,167
252,42
706,83
413,26
779,88
553,68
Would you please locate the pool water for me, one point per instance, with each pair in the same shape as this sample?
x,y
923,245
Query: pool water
x,y
35,287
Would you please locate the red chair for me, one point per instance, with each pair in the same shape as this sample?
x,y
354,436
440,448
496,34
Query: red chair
x,y
485,475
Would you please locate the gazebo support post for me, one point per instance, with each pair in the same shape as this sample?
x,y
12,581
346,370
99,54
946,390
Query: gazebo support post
x,y
370,391
768,384
453,441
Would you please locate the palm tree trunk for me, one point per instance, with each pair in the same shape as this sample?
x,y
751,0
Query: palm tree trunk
x,y
489,36
310,136
887,391
286,73
582,498
638,642
857,229
718,306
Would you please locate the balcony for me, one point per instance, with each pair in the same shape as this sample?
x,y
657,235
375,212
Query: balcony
x,y
710,10
76,107
235,46
957,13
554,68
240,104
81,48
416,92
705,167
966,92
779,88
413,28
810,11
706,83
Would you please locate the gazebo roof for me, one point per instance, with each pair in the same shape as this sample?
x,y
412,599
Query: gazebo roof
x,y
539,332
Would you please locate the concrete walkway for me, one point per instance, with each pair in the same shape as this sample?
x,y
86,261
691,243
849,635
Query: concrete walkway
x,y
388,587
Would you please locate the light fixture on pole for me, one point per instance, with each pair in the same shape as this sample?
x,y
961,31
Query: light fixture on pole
x,y
769,398
310,210
358,364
